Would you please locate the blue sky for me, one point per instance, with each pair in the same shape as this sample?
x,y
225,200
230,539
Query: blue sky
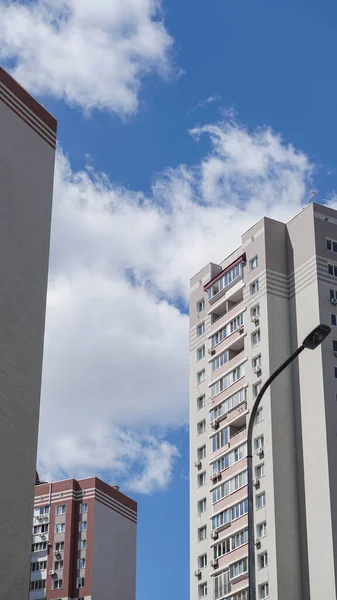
x,y
180,124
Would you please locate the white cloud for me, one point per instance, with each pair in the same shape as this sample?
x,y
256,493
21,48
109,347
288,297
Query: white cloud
x,y
91,54
116,351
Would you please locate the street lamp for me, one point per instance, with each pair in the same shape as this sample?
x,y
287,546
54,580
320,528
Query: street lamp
x,y
314,339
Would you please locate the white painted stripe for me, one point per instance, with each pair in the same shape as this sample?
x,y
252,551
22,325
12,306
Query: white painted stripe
x,y
27,109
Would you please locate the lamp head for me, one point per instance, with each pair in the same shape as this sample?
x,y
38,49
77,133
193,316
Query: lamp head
x,y
316,336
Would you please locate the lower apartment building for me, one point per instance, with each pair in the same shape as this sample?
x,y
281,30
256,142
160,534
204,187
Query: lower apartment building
x,y
83,542
247,315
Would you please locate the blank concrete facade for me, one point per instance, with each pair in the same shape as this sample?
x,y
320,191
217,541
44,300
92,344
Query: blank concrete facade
x,y
247,314
27,153
84,542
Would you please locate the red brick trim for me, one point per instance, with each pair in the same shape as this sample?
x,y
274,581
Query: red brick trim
x,y
241,258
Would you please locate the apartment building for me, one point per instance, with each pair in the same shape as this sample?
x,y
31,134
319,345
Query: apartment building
x,y
27,153
247,314
83,542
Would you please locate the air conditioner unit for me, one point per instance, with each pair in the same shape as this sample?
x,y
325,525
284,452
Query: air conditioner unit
x,y
258,371
214,563
197,464
52,572
260,452
241,329
214,477
211,351
256,483
58,555
214,535
197,573
258,544
255,320
333,300
43,536
215,424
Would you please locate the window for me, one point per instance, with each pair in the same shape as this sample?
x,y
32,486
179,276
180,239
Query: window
x,y
255,312
261,529
201,402
40,584
57,584
229,487
253,263
263,591
43,510
225,280
58,565
59,546
60,510
331,245
261,500
223,333
230,458
263,560
201,479
202,590
238,568
81,563
83,526
202,533
201,376
222,585
37,547
202,505
259,471
200,352
259,416
254,287
256,388
227,380
332,269
60,527
84,507
256,337
201,452
333,320
334,345
80,582
220,360
201,329
228,404
259,442
200,305
202,561
220,439
256,362
230,543
38,566
230,514
201,427
38,529
82,545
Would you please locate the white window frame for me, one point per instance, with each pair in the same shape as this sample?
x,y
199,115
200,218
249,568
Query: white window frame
x,y
62,525
201,329
261,529
201,401
57,584
201,479
260,470
203,530
259,442
201,352
201,376
202,506
83,526
83,508
254,262
61,509
202,560
258,498
202,590
201,305
256,337
256,361
255,311
254,287
81,563
201,452
256,388
264,589
80,583
262,560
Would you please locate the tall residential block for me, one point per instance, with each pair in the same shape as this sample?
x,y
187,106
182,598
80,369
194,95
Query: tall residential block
x,y
247,315
27,154
83,542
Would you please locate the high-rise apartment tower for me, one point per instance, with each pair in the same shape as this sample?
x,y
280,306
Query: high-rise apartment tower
x,y
83,542
27,153
247,314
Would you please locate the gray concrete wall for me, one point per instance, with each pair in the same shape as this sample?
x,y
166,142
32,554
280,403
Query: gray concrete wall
x,y
26,180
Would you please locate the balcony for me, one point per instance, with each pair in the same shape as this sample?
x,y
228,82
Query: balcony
x,y
225,306
235,357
